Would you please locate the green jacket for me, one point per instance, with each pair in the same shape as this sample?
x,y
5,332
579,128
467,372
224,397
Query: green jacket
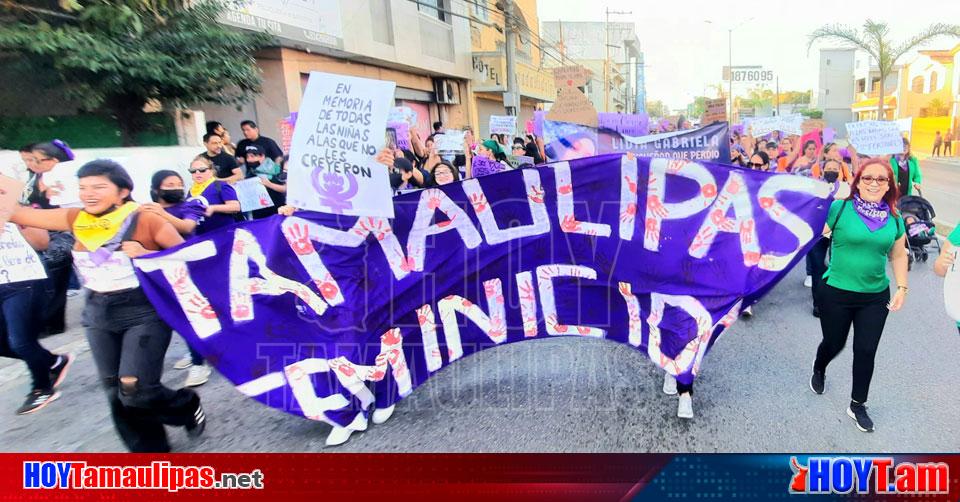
x,y
913,170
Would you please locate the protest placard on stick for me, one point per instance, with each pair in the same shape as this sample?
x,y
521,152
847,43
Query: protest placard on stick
x,y
340,129
572,104
503,124
875,137
252,195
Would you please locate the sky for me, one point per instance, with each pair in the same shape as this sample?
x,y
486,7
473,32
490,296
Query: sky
x,y
684,54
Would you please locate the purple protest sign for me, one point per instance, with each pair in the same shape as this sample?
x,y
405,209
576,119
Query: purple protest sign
x,y
324,315
628,124
402,130
483,166
566,141
829,134
538,118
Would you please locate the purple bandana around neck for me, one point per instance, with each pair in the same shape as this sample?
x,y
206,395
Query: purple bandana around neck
x,y
873,214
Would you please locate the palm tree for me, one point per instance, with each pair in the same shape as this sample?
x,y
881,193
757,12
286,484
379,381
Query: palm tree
x,y
876,42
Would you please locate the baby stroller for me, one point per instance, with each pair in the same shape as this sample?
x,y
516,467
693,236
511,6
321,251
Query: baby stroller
x,y
918,215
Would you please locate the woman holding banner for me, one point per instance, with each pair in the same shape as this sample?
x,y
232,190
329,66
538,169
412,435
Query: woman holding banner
x,y
865,231
221,205
127,338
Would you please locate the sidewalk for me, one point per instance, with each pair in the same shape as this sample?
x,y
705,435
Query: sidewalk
x,y
954,160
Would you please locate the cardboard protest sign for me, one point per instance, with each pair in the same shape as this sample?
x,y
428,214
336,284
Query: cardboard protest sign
x,y
340,129
875,137
252,194
18,261
10,190
402,114
503,124
449,141
62,179
572,104
716,111
519,160
812,125
401,134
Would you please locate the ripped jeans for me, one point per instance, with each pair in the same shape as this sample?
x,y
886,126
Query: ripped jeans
x,y
128,341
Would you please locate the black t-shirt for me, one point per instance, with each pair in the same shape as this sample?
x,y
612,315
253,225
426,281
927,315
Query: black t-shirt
x,y
223,162
268,146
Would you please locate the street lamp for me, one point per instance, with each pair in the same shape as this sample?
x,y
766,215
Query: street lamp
x,y
730,62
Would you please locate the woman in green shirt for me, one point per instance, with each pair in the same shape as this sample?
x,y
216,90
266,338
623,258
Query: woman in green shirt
x,y
865,231
906,170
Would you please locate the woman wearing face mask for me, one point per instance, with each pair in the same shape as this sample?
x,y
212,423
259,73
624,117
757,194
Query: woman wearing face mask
x,y
907,170
865,231
817,257
169,196
831,154
127,338
218,198
170,202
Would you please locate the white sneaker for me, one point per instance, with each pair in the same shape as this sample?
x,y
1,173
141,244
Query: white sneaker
x,y
685,406
184,362
747,312
381,415
669,384
198,375
808,282
338,436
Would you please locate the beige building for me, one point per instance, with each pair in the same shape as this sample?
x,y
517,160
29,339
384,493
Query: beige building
x,y
488,79
424,49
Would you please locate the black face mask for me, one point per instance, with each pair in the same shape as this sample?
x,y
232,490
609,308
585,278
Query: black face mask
x,y
172,196
830,176
253,165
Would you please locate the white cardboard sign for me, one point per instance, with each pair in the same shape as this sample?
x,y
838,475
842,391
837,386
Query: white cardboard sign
x,y
340,129
875,137
18,261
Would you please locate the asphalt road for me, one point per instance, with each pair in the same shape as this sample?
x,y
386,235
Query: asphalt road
x,y
582,395
941,186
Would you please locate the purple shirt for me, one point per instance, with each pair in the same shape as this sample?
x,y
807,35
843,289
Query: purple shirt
x,y
217,193
191,210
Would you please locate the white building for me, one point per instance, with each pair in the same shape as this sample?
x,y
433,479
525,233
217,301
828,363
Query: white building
x,y
835,91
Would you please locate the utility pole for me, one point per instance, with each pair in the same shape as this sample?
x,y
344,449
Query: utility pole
x,y
778,95
606,60
730,82
511,98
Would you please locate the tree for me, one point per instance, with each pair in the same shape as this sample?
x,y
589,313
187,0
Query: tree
x,y
119,55
876,42
657,109
698,107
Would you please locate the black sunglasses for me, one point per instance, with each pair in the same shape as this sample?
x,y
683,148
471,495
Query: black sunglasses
x,y
191,171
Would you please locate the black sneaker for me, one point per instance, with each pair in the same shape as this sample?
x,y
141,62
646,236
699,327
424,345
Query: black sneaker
x,y
36,400
198,422
858,412
59,369
817,381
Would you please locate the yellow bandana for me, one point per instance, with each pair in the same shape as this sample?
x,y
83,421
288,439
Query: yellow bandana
x,y
93,231
197,189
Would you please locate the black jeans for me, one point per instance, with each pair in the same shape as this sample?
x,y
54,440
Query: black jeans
x,y
19,332
128,341
817,259
50,297
868,314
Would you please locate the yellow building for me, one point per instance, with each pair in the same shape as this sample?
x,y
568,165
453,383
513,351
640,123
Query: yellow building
x,y
489,66
926,94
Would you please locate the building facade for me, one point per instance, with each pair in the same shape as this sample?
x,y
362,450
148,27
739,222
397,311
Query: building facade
x,y
489,67
835,91
620,65
424,49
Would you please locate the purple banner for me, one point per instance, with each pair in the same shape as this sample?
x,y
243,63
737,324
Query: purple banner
x,y
323,315
567,141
